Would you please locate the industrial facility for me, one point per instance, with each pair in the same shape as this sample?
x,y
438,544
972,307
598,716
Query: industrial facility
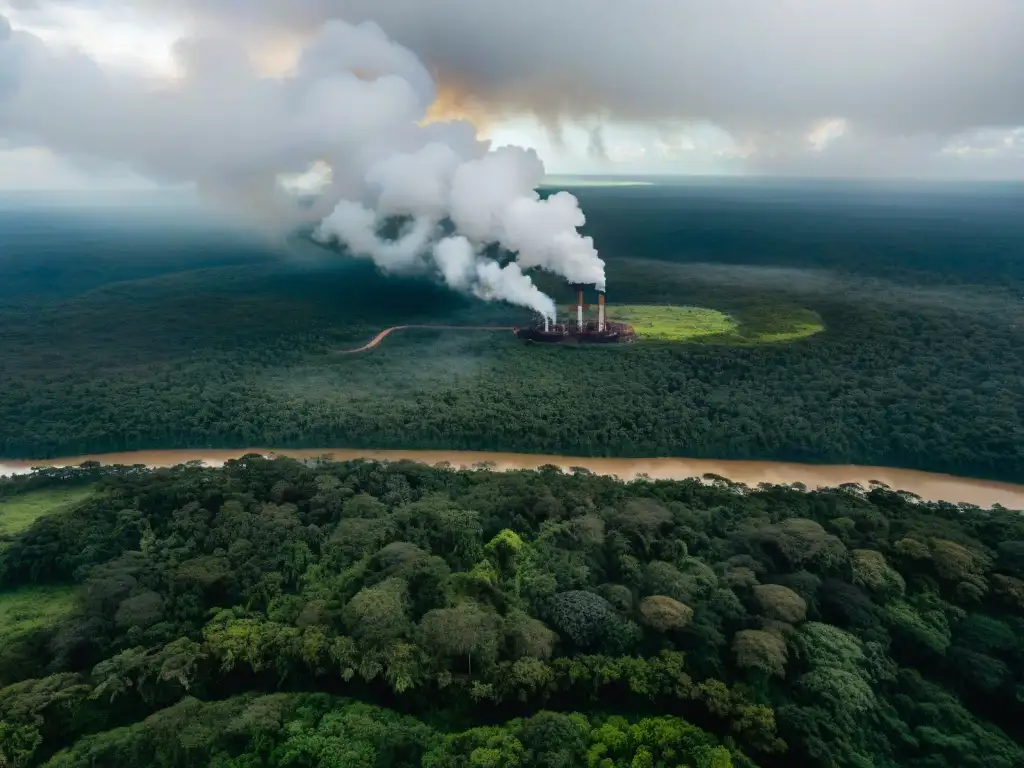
x,y
579,330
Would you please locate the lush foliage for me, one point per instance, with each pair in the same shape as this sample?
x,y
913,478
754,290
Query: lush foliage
x,y
280,613
120,343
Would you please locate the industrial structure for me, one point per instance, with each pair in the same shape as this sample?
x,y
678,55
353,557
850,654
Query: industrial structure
x,y
582,331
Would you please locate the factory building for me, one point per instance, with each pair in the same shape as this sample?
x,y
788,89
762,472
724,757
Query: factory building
x,y
579,329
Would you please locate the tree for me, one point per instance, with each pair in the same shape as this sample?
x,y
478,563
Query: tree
x,y
780,603
619,595
692,580
640,519
662,578
1011,557
956,563
583,617
588,531
978,670
915,628
800,542
364,506
356,537
140,610
760,650
396,557
465,630
803,582
555,739
380,614
1009,589
871,571
503,550
985,634
665,614
847,693
654,741
18,743
529,637
847,606
822,645
444,528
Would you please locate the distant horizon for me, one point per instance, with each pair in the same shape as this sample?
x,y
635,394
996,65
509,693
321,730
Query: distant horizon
x,y
552,179
741,177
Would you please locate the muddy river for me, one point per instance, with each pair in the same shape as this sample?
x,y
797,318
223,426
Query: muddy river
x,y
927,485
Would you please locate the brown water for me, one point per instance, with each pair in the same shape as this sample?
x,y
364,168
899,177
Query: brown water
x,y
927,485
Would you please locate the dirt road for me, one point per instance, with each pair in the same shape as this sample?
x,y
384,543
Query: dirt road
x,y
385,333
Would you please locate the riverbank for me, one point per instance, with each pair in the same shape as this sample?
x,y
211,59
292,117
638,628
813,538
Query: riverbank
x,y
928,485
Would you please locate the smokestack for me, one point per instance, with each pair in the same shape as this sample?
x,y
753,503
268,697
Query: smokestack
x,y
547,324
579,306
600,312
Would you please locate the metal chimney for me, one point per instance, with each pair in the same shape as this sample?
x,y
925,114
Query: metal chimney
x,y
600,312
547,324
579,306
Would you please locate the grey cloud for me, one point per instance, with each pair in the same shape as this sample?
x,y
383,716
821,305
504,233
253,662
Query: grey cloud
x,y
979,155
222,119
355,103
912,77
905,66
23,5
596,147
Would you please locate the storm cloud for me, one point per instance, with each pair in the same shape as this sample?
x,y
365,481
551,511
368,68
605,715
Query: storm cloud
x,y
799,86
891,66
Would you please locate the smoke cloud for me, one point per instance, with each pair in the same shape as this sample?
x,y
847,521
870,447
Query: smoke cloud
x,y
353,107
463,268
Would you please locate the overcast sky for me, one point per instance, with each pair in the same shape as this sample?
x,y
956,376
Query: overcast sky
x,y
920,88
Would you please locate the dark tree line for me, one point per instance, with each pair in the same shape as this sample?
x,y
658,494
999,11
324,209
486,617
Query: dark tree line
x,y
280,613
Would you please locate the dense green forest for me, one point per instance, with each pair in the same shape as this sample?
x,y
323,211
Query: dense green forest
x,y
194,343
242,357
278,613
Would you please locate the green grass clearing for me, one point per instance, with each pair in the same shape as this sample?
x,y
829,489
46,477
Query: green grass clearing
x,y
668,323
758,324
17,513
773,324
28,609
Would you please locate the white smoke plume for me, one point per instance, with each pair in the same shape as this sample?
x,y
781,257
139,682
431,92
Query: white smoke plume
x,y
354,103
489,199
463,269
355,226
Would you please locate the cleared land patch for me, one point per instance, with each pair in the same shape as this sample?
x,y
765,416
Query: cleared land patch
x,y
30,609
19,512
668,323
758,325
774,324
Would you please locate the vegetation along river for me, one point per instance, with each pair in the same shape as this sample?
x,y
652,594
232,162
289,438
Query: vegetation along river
x,y
927,485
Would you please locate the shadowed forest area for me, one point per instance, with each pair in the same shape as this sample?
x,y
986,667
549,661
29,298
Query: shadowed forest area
x,y
275,613
138,339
